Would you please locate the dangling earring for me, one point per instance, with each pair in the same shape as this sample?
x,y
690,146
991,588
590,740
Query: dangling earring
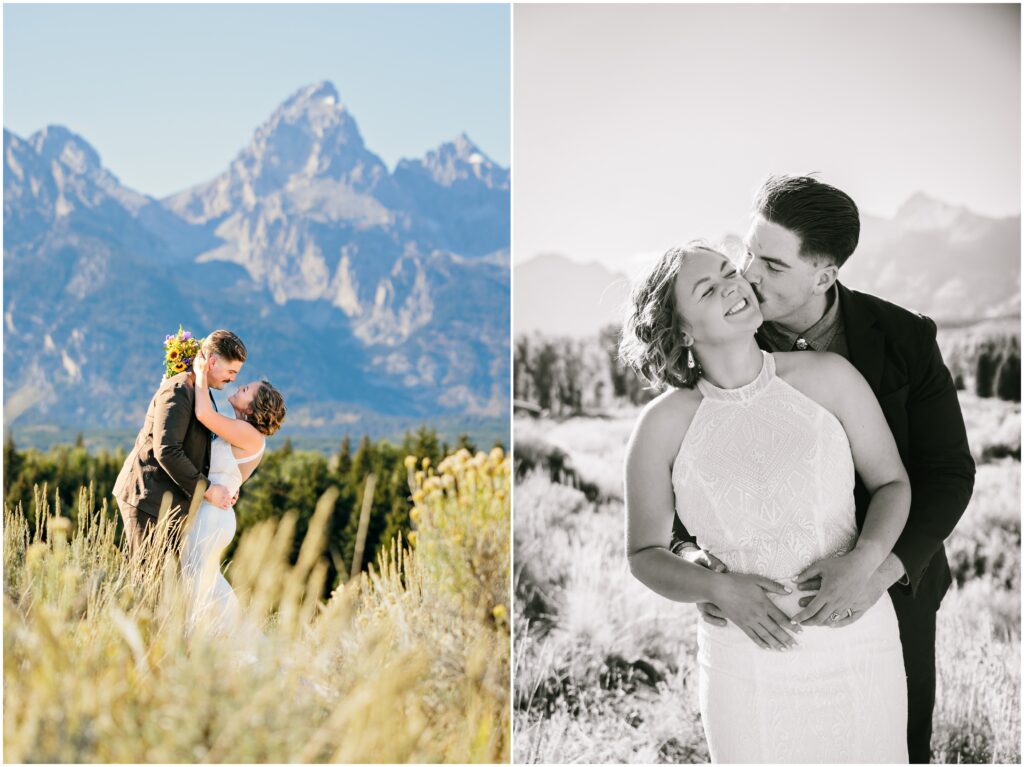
x,y
689,359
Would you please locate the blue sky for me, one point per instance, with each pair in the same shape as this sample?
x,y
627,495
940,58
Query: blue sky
x,y
168,94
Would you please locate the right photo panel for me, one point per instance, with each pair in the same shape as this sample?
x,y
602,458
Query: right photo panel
x,y
766,318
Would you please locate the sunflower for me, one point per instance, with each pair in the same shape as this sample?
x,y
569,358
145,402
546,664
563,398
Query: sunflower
x,y
179,367
172,355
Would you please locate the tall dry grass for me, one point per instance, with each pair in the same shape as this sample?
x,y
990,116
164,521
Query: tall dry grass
x,y
399,665
605,670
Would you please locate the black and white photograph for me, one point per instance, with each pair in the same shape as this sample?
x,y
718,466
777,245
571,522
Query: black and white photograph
x,y
766,383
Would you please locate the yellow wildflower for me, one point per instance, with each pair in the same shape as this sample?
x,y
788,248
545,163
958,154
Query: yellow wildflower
x,y
500,612
179,367
173,354
410,462
425,464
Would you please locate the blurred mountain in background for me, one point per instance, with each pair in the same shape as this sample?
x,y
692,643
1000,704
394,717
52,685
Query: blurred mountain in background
x,y
941,260
556,295
945,261
374,300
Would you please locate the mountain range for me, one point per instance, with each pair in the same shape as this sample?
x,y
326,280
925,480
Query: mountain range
x,y
368,296
942,260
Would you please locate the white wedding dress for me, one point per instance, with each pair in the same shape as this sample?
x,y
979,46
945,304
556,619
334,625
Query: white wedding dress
x,y
764,480
212,604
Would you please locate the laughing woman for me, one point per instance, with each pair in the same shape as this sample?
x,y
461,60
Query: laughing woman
x,y
756,453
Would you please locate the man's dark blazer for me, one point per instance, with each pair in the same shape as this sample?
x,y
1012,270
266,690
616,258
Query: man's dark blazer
x,y
896,351
171,453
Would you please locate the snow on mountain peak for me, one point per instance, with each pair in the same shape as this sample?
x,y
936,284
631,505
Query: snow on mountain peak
x,y
458,160
322,92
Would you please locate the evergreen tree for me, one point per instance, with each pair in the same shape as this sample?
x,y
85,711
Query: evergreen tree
x,y
12,465
985,373
287,480
1008,378
362,466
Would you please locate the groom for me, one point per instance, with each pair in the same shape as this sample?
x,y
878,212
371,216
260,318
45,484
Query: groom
x,y
172,451
801,234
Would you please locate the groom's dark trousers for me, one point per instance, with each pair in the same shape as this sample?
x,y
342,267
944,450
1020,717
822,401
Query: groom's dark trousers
x,y
895,350
170,458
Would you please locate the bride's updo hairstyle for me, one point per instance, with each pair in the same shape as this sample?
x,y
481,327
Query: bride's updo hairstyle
x,y
652,333
267,410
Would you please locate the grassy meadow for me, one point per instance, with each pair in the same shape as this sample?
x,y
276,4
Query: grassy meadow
x,y
605,669
408,662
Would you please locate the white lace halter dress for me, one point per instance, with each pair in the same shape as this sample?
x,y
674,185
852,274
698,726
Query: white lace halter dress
x,y
211,600
764,480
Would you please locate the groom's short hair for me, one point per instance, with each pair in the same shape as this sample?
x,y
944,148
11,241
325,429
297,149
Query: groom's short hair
x,y
225,345
823,217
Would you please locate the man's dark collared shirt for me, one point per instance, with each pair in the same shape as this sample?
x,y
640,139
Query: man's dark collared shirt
x,y
826,335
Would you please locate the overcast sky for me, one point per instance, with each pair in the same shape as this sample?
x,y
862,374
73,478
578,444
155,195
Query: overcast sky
x,y
168,94
639,127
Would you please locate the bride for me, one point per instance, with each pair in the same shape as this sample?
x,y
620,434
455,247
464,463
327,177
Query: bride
x,y
237,448
756,453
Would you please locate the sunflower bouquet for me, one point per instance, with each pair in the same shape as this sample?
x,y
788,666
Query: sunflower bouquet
x,y
179,351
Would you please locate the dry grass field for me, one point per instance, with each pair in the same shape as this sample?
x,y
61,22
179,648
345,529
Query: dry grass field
x,y
408,663
605,669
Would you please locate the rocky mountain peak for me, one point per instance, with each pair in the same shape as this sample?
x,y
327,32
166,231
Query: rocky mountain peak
x,y
55,172
318,94
922,212
310,134
458,160
464,146
309,141
55,142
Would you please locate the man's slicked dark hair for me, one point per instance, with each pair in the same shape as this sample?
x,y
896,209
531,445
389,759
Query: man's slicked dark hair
x,y
225,345
823,217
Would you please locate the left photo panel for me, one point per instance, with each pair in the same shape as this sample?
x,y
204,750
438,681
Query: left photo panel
x,y
256,383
